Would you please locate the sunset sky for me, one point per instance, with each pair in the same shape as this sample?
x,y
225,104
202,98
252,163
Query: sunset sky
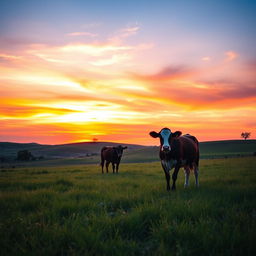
x,y
71,71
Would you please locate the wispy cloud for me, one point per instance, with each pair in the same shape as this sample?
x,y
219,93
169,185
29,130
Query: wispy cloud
x,y
8,58
93,49
231,55
166,73
180,86
96,54
114,59
129,31
32,112
206,58
88,34
122,34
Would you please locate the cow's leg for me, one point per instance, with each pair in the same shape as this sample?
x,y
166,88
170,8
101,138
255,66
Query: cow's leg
x,y
196,173
113,167
102,166
174,176
117,167
186,172
167,176
107,164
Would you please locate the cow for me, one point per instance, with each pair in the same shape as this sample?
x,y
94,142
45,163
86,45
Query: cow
x,y
178,151
111,155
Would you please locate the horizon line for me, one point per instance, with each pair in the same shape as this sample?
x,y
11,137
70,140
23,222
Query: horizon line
x,y
80,142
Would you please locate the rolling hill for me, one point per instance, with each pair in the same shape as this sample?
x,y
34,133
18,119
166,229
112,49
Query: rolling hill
x,y
227,147
88,152
72,150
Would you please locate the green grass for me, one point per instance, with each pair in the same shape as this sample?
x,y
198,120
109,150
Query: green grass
x,y
78,211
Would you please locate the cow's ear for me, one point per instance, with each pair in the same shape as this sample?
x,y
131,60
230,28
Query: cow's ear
x,y
125,147
154,134
176,134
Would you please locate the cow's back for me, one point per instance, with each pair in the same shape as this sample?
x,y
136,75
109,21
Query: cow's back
x,y
192,138
108,154
186,147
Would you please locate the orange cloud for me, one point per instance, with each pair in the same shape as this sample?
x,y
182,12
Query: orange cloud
x,y
231,55
206,58
8,57
179,86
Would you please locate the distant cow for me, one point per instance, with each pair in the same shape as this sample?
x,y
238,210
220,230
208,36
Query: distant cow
x,y
111,155
177,151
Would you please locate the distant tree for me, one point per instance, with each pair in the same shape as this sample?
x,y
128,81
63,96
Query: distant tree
x,y
245,135
94,140
24,155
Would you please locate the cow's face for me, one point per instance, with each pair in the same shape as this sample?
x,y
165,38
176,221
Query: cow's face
x,y
119,150
165,136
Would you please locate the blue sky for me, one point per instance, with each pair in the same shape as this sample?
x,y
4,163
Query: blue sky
x,y
231,19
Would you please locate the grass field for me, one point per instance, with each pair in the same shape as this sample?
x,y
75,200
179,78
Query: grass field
x,y
78,211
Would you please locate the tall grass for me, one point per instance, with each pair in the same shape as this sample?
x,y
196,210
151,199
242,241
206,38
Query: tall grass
x,y
79,211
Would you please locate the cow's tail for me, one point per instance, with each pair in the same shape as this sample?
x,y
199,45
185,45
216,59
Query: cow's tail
x,y
197,159
197,143
197,153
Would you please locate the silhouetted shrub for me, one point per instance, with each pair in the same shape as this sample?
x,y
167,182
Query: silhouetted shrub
x,y
24,155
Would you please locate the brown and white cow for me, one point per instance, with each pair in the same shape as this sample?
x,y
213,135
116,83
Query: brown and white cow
x,y
111,155
177,151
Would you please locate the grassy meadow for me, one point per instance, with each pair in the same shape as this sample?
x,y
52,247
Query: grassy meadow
x,y
75,210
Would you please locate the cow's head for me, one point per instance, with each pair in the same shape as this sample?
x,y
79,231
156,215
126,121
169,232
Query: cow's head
x,y
119,150
165,136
